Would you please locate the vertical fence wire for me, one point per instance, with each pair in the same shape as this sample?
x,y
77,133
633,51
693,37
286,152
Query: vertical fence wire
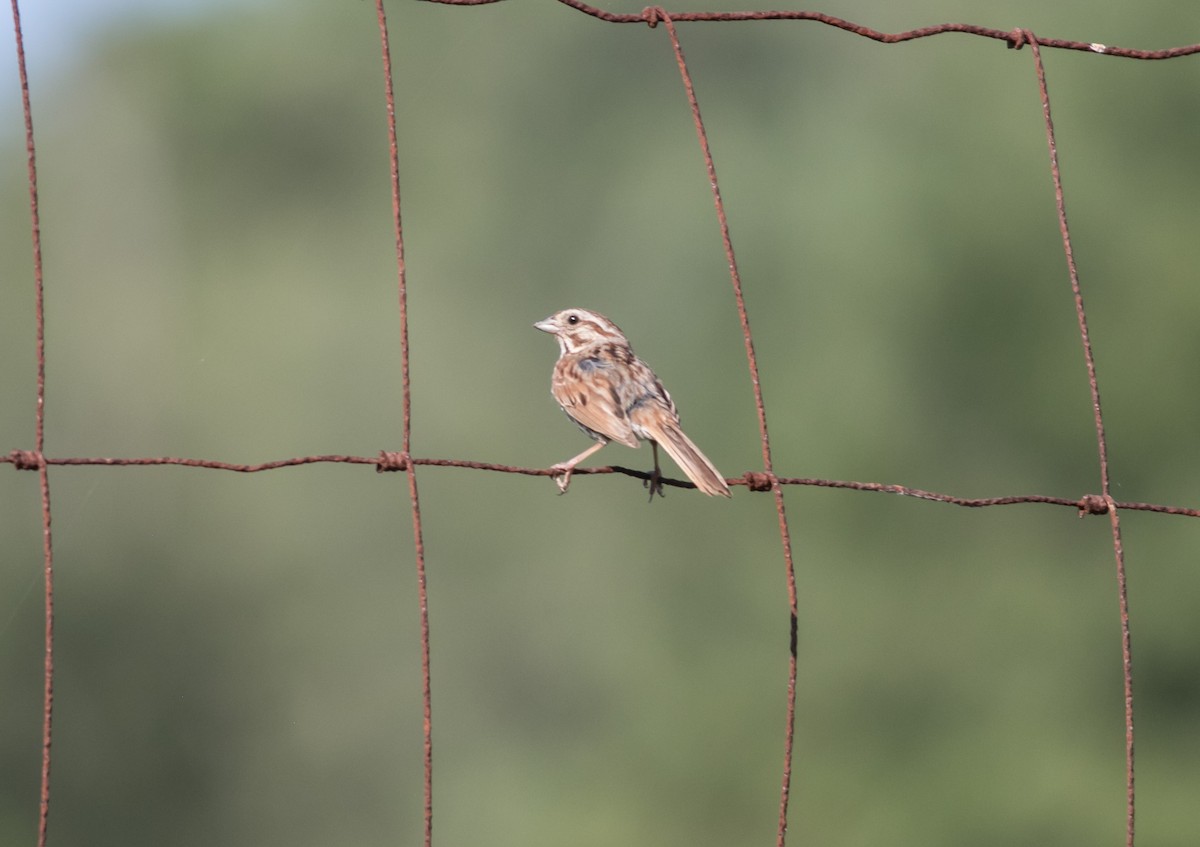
x,y
406,435
654,14
1101,440
39,438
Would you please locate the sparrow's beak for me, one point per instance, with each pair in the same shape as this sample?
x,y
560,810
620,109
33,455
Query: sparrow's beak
x,y
546,325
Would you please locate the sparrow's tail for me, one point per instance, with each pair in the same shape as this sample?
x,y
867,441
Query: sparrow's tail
x,y
689,458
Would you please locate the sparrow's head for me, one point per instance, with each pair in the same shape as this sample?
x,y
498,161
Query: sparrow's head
x,y
576,329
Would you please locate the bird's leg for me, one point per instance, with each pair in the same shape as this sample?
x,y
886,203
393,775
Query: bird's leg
x,y
655,481
562,477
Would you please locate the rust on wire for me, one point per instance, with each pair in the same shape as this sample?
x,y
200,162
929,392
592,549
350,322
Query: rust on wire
x,y
652,16
1013,38
406,424
36,457
755,481
1105,497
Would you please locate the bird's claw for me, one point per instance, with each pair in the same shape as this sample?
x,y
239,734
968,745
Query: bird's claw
x,y
561,477
654,483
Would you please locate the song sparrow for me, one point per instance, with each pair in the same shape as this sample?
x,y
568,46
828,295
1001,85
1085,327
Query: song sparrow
x,y
614,396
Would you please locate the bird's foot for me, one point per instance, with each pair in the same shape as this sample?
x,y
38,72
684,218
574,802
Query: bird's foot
x,y
654,483
562,476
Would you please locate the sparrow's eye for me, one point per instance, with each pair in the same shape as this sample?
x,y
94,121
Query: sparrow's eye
x,y
572,319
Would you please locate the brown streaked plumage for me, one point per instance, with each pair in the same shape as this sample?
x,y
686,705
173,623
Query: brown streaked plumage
x,y
614,396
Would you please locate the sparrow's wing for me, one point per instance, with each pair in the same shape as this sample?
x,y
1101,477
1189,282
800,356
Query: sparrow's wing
x,y
664,430
589,389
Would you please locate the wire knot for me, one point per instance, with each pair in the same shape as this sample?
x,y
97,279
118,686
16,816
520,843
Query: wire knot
x,y
1019,37
389,461
653,14
759,481
25,460
1093,504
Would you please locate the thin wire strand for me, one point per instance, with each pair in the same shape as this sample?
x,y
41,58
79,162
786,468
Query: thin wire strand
x,y
39,437
1011,37
406,437
653,15
1088,504
1101,440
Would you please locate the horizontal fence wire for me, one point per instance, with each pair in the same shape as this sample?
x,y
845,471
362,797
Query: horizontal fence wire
x,y
389,461
763,479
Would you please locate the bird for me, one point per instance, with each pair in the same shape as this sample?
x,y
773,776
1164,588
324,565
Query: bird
x,y
612,395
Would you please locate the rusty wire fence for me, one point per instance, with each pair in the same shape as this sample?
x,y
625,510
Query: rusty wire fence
x,y
764,479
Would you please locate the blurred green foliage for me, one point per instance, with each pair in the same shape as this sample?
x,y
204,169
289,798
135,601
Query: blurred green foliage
x,y
237,657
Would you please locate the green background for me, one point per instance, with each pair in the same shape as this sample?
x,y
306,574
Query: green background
x,y
238,656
